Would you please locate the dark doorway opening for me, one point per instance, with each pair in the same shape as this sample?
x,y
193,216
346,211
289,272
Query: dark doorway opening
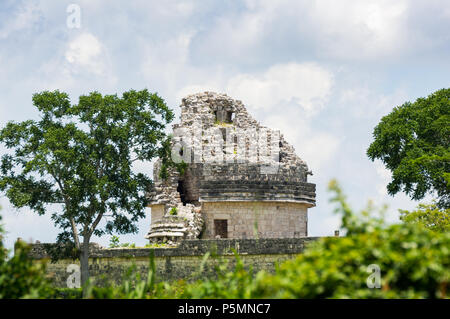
x,y
221,228
229,118
182,191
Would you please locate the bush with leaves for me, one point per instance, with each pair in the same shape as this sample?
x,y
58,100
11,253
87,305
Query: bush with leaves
x,y
429,216
237,284
114,242
66,293
19,276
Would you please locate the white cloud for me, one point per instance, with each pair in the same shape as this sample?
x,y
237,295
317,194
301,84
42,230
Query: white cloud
x,y
362,102
316,147
360,29
25,224
166,63
81,62
2,115
347,29
399,201
384,176
24,19
234,36
306,85
87,53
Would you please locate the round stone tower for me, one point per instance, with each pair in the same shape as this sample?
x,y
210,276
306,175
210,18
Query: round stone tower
x,y
238,179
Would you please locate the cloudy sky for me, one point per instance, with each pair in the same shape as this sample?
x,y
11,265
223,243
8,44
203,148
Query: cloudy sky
x,y
324,72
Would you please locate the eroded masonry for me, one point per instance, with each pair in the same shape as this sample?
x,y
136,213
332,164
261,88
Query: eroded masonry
x,y
240,180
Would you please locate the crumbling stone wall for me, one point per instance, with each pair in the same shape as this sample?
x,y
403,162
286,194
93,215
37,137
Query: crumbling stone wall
x,y
230,158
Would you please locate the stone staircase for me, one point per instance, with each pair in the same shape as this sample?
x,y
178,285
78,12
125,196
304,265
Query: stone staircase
x,y
187,223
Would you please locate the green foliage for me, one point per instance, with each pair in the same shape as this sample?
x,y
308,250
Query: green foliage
x,y
157,245
80,157
19,276
173,211
181,167
413,142
114,242
429,216
136,287
131,288
66,293
167,163
237,284
338,267
62,250
84,155
165,154
128,245
222,124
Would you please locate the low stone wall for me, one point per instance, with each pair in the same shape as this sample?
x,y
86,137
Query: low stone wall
x,y
181,262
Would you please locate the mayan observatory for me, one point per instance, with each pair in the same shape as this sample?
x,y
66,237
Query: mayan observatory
x,y
233,178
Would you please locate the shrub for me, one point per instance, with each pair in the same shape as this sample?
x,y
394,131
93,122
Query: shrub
x,y
114,242
429,216
19,276
66,293
237,284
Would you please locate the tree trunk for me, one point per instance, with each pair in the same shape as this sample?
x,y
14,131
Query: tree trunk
x,y
84,262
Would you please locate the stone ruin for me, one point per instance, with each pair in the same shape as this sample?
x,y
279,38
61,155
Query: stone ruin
x,y
240,179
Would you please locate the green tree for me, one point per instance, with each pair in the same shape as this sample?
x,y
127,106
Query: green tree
x,y
429,216
79,158
413,142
